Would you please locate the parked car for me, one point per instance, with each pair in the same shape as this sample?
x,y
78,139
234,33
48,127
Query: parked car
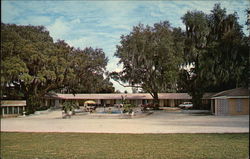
x,y
148,106
186,105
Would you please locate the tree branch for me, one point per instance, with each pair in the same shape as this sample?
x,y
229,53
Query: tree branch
x,y
126,85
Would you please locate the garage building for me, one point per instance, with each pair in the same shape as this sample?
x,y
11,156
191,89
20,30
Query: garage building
x,y
231,102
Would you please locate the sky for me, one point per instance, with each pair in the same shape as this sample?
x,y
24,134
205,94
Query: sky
x,y
100,24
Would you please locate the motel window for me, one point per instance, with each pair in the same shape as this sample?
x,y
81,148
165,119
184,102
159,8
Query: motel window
x,y
10,110
5,110
239,105
118,101
21,109
15,110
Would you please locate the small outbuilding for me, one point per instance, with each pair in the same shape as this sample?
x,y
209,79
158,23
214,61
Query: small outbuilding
x,y
11,108
231,102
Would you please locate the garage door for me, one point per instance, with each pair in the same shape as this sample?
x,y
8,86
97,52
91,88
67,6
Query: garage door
x,y
222,107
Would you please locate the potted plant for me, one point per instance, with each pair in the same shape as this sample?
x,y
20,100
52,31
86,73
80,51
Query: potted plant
x,y
127,107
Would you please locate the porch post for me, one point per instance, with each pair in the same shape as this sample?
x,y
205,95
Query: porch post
x,y
211,106
3,110
46,102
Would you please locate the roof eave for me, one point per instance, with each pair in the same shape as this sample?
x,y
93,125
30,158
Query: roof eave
x,y
219,97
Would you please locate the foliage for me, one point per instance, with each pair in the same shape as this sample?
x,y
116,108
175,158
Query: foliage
x,y
151,57
42,108
89,67
127,107
217,48
69,106
33,65
227,50
248,18
123,146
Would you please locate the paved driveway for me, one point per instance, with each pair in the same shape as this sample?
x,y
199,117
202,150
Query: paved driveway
x,y
158,122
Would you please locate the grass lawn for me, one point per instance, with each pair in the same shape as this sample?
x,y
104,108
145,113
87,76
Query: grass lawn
x,y
123,146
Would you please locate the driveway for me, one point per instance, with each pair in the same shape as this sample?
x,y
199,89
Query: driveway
x,y
158,122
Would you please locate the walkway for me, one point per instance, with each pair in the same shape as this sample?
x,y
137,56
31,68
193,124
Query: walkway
x,y
158,122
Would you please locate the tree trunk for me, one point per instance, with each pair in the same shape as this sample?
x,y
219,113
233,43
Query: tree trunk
x,y
197,102
32,102
197,99
155,100
198,85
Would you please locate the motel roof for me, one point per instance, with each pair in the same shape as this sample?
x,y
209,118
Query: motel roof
x,y
119,96
13,103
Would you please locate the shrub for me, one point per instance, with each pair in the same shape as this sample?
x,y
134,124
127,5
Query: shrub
x,y
69,106
42,108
